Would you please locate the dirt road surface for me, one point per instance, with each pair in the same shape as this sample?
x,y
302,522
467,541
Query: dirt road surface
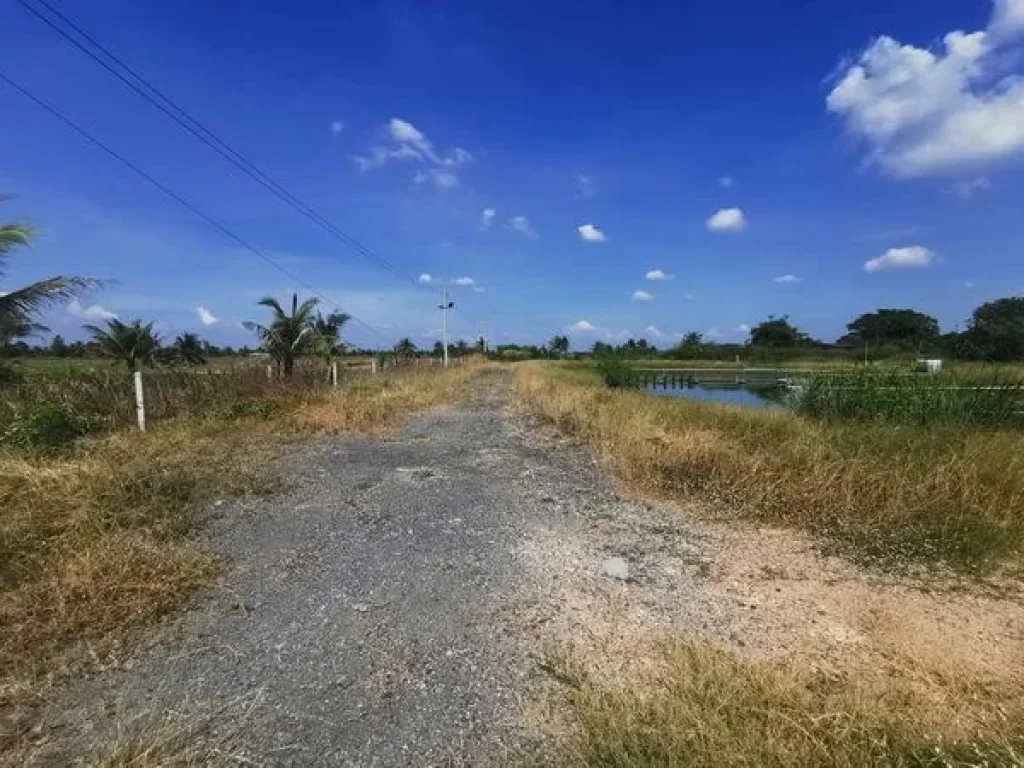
x,y
378,612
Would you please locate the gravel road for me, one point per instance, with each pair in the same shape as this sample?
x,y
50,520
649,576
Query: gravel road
x,y
376,612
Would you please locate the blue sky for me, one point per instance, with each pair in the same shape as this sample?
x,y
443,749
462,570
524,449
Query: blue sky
x,y
812,159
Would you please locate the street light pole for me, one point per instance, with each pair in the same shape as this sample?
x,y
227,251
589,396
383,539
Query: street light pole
x,y
444,306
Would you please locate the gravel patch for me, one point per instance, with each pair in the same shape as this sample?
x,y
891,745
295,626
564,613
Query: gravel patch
x,y
381,610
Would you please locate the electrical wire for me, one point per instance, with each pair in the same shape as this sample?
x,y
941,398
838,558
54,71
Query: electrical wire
x,y
179,199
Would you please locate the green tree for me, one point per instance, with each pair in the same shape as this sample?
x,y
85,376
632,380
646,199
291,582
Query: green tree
x,y
996,331
58,347
438,349
778,332
559,345
405,348
135,343
327,335
481,345
19,307
288,336
188,348
904,328
691,346
461,348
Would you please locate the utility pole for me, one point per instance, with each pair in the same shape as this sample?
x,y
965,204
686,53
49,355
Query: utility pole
x,y
444,306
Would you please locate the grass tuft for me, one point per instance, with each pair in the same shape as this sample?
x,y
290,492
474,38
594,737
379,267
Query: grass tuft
x,y
693,704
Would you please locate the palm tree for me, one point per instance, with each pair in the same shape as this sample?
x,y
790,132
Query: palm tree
x,y
17,307
135,343
327,334
288,335
405,348
189,349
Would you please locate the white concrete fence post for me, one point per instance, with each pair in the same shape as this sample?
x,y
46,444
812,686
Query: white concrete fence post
x,y
334,373
373,365
270,372
140,403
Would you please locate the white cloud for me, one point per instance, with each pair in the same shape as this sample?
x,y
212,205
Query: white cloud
x,y
657,274
787,279
442,179
479,289
591,234
459,156
727,220
523,225
583,326
915,256
726,182
642,296
712,333
969,284
923,111
967,188
464,281
585,185
689,297
410,143
206,317
94,312
337,127
742,328
487,218
653,331
426,278
445,179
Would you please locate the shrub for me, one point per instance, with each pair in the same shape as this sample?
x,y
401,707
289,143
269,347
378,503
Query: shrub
x,y
615,373
252,408
48,428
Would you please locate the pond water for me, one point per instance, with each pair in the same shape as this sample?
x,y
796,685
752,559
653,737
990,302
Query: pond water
x,y
751,396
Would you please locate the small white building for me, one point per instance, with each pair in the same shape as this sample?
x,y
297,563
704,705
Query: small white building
x,y
929,366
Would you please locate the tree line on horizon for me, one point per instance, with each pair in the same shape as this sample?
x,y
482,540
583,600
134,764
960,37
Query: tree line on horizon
x,y
994,333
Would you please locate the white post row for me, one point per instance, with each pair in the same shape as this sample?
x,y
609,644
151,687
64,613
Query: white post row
x,y
140,404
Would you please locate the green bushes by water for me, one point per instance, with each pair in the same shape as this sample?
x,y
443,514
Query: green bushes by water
x,y
914,399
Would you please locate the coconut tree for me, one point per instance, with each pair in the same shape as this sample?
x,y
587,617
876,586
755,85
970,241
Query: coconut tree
x,y
289,335
327,334
136,343
19,306
405,348
187,348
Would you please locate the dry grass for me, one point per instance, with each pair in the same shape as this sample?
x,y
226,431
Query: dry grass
x,y
680,702
893,493
96,542
379,404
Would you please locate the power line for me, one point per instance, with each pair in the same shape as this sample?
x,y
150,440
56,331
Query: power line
x,y
176,113
178,198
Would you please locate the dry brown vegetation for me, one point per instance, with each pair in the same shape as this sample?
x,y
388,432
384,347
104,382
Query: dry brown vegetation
x,y
760,650
95,542
681,702
896,494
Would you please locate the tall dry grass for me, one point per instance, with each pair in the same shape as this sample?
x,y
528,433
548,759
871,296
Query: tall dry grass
x,y
96,541
892,493
689,703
